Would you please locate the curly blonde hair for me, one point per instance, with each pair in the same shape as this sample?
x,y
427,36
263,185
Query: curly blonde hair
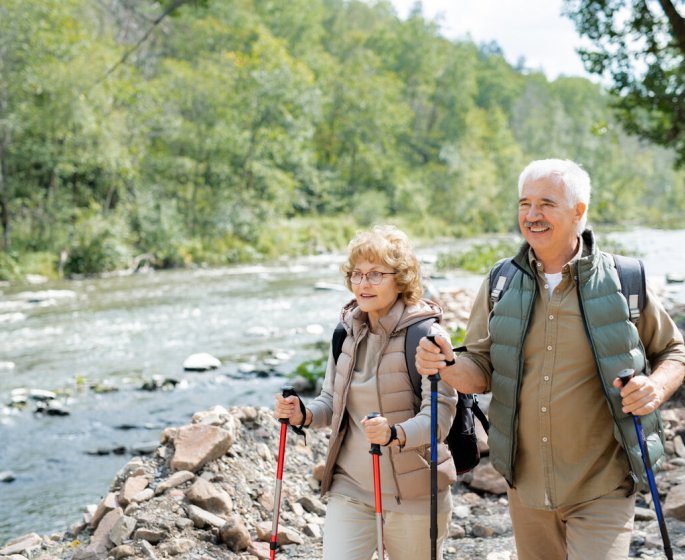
x,y
389,246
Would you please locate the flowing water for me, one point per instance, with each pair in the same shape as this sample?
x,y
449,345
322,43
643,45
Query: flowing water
x,y
121,331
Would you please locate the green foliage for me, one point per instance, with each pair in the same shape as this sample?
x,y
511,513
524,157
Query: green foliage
x,y
9,269
312,370
247,130
640,48
479,258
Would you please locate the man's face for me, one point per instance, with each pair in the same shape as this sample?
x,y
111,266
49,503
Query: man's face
x,y
547,222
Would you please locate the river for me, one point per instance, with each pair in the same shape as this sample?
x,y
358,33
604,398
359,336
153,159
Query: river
x,y
121,331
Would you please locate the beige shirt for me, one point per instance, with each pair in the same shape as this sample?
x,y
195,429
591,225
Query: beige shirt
x,y
566,450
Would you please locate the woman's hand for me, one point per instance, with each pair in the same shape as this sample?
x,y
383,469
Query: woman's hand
x,y
377,429
288,408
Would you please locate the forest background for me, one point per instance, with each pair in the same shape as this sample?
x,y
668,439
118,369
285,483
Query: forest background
x,y
212,132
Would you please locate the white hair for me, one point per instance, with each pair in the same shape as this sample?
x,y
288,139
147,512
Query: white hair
x,y
574,178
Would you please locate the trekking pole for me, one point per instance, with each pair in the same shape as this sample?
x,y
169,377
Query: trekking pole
x,y
375,451
625,376
287,391
434,458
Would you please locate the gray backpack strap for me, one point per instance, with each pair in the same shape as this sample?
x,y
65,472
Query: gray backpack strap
x,y
500,278
631,274
412,337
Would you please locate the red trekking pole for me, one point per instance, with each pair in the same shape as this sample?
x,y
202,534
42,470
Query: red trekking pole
x,y
376,453
287,391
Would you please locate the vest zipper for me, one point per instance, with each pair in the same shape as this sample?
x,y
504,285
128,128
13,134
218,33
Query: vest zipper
x,y
635,479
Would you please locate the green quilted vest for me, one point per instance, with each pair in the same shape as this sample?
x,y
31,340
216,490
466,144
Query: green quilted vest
x,y
615,344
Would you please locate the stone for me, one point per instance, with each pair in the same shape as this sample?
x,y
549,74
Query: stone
x,y
201,362
143,496
235,535
259,549
174,480
207,496
24,543
108,503
215,416
152,536
196,445
123,551
317,471
679,446
203,518
101,536
285,535
313,505
177,547
487,479
131,487
312,530
122,530
7,476
644,514
675,503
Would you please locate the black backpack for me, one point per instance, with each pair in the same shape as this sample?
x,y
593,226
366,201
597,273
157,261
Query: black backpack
x,y
461,439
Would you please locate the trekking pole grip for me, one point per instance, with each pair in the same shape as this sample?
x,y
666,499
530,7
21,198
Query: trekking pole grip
x,y
287,391
625,375
375,447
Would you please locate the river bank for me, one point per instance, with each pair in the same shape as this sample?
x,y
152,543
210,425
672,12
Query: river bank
x,y
207,491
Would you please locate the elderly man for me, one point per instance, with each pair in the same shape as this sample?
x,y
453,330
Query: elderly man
x,y
550,350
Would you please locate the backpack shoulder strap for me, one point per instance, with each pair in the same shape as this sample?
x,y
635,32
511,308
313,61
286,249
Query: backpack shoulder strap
x,y
631,274
500,278
339,335
415,333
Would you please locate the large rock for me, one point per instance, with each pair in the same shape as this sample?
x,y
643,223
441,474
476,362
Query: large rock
x,y
25,544
675,503
196,445
201,362
131,487
235,535
207,496
486,478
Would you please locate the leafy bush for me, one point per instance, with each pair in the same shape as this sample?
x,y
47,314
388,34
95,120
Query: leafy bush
x,y
9,269
479,258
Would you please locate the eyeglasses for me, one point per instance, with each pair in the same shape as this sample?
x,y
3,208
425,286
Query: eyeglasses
x,y
374,277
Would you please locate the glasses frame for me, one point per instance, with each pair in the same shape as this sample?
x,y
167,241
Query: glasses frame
x,y
363,275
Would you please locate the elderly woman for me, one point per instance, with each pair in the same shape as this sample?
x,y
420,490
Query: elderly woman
x,y
383,273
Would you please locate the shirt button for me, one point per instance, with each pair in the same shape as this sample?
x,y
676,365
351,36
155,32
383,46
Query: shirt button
x,y
544,439
551,317
544,409
546,286
546,378
549,348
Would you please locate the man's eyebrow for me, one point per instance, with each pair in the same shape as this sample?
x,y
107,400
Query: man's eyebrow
x,y
544,199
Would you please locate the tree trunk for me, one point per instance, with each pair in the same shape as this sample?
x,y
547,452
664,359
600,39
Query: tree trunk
x,y
4,201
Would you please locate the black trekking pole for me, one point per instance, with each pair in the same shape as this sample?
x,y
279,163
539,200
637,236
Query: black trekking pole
x,y
625,376
287,391
434,457
375,452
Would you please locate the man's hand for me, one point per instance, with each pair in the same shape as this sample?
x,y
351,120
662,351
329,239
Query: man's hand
x,y
288,408
641,395
431,358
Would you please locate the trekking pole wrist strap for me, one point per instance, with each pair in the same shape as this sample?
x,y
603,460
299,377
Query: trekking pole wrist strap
x,y
393,436
299,430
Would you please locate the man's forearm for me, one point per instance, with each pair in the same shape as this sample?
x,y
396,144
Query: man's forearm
x,y
668,376
465,376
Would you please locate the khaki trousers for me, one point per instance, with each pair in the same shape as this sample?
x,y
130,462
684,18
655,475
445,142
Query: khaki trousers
x,y
598,529
349,532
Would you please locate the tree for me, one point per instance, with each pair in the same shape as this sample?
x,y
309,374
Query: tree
x,y
639,46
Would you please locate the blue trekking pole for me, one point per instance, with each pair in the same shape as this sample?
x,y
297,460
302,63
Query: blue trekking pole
x,y
434,456
625,376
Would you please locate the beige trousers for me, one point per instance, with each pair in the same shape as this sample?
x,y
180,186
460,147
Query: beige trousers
x,y
598,529
350,532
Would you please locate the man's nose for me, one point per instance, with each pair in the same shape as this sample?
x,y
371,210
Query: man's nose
x,y
533,212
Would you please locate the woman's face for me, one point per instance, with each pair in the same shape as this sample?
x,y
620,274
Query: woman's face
x,y
374,299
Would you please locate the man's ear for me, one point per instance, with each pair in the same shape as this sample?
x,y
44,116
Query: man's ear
x,y
580,210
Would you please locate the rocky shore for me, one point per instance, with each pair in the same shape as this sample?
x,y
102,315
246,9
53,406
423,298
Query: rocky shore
x,y
207,492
